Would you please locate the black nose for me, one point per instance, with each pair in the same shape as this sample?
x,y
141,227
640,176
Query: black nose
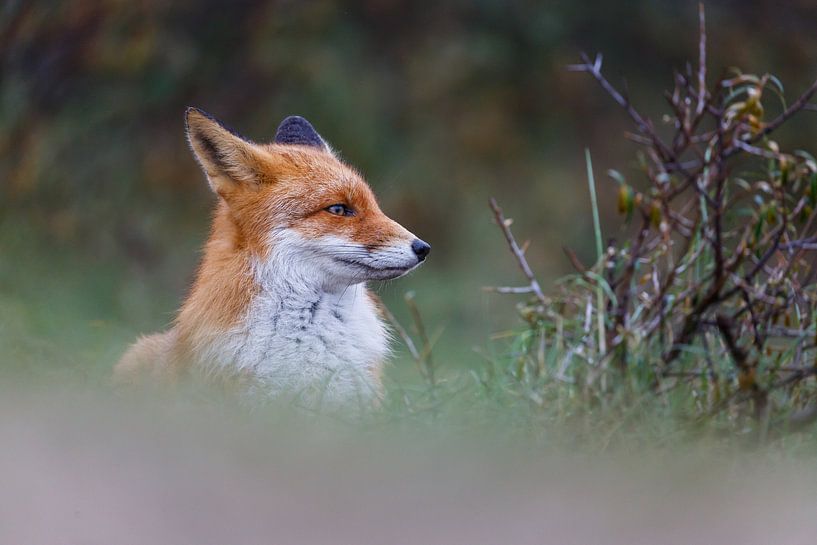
x,y
420,248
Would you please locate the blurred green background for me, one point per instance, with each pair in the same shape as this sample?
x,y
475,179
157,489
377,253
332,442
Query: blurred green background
x,y
441,105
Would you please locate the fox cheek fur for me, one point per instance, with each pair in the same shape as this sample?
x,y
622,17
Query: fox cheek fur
x,y
279,303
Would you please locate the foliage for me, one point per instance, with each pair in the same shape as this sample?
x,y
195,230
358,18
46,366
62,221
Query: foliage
x,y
712,292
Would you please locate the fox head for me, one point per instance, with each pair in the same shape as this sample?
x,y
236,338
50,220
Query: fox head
x,y
293,203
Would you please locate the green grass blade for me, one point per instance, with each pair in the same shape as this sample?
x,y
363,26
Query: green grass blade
x,y
591,182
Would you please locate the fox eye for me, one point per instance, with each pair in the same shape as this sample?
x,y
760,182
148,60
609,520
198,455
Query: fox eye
x,y
340,210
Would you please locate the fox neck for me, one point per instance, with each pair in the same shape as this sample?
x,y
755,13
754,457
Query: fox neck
x,y
278,319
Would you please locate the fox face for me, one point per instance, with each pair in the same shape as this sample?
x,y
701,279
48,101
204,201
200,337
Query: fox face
x,y
294,206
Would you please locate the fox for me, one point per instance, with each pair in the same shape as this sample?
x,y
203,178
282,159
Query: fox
x,y
280,304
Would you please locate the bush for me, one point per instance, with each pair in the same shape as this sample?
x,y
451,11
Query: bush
x,y
711,293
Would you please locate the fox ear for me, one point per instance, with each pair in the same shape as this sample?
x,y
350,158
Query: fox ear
x,y
295,130
227,159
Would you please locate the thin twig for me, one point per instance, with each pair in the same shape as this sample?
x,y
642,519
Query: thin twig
x,y
517,252
407,340
701,61
795,107
644,124
574,260
508,289
421,331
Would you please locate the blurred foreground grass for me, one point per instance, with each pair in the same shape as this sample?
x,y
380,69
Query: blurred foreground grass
x,y
88,468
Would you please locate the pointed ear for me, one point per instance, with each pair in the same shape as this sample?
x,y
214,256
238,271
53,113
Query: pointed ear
x,y
228,160
295,130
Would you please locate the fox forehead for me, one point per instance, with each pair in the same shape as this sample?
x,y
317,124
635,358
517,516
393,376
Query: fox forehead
x,y
306,180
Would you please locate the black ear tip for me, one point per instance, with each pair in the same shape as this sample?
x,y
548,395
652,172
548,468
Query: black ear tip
x,y
296,130
295,124
192,111
296,120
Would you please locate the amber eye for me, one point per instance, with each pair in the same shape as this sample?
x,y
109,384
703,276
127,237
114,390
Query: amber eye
x,y
340,210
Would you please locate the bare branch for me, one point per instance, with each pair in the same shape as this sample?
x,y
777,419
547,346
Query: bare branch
x,y
644,124
401,331
508,289
574,260
701,61
517,252
796,106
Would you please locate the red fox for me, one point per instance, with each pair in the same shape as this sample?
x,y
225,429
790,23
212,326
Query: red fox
x,y
279,303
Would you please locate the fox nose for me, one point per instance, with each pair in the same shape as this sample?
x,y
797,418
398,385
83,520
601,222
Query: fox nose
x,y
420,248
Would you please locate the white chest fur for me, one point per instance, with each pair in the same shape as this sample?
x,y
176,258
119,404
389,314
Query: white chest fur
x,y
307,342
